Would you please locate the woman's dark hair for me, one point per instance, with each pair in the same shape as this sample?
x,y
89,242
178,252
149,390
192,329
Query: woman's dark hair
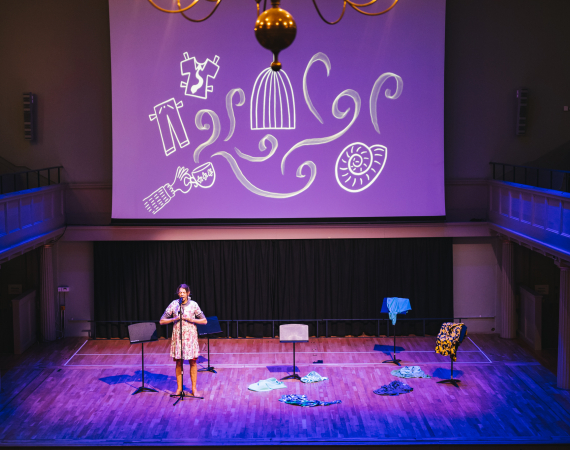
x,y
185,287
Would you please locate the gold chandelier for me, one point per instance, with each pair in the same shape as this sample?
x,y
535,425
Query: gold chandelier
x,y
275,29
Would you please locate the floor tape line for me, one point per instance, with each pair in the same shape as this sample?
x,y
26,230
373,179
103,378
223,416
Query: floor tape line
x,y
75,353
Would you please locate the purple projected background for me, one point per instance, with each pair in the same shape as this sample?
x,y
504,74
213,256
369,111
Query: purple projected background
x,y
203,130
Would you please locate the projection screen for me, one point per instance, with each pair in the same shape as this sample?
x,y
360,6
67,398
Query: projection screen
x,y
351,127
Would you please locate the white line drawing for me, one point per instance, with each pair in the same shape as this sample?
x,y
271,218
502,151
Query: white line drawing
x,y
376,90
200,126
358,166
203,176
230,109
272,104
243,180
167,115
262,148
326,61
337,114
198,87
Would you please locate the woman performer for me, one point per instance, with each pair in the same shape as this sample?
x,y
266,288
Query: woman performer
x,y
191,315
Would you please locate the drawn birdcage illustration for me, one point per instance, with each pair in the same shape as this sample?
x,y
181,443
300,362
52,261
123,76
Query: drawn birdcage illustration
x,y
272,105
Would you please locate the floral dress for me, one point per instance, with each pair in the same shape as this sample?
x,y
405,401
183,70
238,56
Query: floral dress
x,y
190,310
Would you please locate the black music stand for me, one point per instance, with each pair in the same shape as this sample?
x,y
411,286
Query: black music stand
x,y
293,333
385,309
212,327
452,380
139,333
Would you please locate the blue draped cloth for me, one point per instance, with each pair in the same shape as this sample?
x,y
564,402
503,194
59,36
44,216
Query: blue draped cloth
x,y
394,306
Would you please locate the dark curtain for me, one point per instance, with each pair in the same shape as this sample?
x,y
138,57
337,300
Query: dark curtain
x,y
277,280
135,281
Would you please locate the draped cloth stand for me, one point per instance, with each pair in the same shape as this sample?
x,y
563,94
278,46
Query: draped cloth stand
x,y
462,335
387,308
451,380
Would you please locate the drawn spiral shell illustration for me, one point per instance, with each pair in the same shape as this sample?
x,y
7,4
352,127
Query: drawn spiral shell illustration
x,y
358,166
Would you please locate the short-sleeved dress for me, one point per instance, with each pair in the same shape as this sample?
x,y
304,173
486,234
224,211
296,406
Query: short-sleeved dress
x,y
189,330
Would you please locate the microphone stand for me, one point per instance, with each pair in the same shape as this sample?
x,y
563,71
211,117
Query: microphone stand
x,y
182,395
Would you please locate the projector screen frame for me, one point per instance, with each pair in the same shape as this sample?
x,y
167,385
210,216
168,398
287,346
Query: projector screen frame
x,y
206,119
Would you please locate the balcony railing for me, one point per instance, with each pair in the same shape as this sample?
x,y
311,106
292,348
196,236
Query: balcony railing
x,y
30,218
232,329
29,179
558,180
534,215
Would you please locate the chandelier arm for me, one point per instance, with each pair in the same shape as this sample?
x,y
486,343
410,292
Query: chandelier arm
x,y
204,18
325,20
173,11
361,5
256,1
355,6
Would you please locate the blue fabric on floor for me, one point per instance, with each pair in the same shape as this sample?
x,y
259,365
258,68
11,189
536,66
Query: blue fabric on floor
x,y
394,388
313,377
267,385
302,400
410,372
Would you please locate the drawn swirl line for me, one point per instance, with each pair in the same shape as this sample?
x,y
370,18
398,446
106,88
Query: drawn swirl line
x,y
376,90
325,60
230,109
243,180
200,126
336,113
262,147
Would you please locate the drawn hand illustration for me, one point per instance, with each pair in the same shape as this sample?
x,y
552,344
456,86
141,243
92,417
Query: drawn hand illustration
x,y
182,181
203,176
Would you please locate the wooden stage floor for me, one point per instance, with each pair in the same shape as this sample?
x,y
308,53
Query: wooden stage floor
x,y
78,392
